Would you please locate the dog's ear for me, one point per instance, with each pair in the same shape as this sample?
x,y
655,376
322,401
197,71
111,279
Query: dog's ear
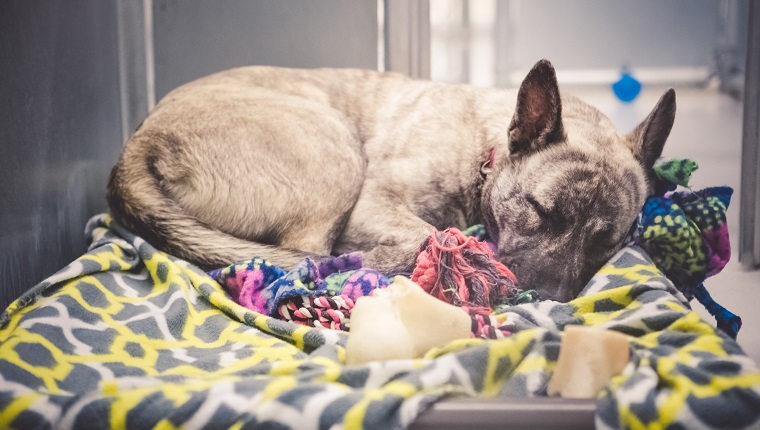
x,y
538,114
647,140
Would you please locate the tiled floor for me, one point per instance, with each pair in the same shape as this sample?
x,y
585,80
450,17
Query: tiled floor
x,y
707,130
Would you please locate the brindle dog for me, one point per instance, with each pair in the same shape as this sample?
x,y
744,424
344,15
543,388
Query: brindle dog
x,y
285,163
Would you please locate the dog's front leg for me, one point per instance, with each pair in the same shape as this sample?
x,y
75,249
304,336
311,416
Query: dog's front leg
x,y
390,236
393,259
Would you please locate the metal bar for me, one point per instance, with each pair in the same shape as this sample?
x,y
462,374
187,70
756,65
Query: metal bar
x,y
749,217
512,413
466,34
407,37
136,70
727,58
504,35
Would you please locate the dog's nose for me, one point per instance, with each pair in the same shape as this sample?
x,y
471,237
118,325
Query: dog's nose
x,y
546,280
540,272
549,288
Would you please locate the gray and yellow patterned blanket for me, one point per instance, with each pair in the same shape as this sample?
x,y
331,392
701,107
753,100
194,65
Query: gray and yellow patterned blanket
x,y
128,337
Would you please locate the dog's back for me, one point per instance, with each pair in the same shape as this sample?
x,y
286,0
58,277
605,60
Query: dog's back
x,y
225,168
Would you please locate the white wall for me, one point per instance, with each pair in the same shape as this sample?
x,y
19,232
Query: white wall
x,y
495,42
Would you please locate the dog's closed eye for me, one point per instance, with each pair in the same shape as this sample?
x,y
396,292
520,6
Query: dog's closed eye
x,y
604,239
541,210
551,218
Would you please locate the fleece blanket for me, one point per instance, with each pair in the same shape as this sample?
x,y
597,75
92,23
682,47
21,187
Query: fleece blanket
x,y
129,337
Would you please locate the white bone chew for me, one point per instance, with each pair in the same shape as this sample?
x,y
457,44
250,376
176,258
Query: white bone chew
x,y
588,359
402,321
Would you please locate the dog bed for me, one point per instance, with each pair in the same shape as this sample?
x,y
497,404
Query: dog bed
x,y
129,337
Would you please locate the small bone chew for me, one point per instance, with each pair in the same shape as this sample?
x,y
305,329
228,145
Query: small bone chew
x,y
588,359
377,332
402,321
429,321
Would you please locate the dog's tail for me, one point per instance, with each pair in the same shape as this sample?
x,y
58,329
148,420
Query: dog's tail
x,y
139,201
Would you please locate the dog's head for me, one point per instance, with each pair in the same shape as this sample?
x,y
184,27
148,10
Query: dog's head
x,y
562,201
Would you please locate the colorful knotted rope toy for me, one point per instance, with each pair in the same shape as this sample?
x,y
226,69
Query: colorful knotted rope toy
x,y
462,270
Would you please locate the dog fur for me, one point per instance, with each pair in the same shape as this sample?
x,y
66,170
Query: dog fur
x,y
288,163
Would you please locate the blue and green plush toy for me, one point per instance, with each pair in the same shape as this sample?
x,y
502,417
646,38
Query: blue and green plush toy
x,y
686,234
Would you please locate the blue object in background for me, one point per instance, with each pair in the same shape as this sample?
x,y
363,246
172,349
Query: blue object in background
x,y
627,88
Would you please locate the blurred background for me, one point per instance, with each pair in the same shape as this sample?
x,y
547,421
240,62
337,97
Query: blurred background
x,y
495,42
77,77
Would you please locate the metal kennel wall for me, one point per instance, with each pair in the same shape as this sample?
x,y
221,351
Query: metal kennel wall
x,y
60,131
749,242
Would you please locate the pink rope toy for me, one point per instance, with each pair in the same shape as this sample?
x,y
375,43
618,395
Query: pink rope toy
x,y
461,270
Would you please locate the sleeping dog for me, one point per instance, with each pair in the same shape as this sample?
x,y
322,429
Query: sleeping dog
x,y
285,164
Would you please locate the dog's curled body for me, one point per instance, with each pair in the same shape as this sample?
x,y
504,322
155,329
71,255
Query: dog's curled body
x,y
287,163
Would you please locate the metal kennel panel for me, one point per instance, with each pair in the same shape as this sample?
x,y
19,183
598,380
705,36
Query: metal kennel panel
x,y
749,240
